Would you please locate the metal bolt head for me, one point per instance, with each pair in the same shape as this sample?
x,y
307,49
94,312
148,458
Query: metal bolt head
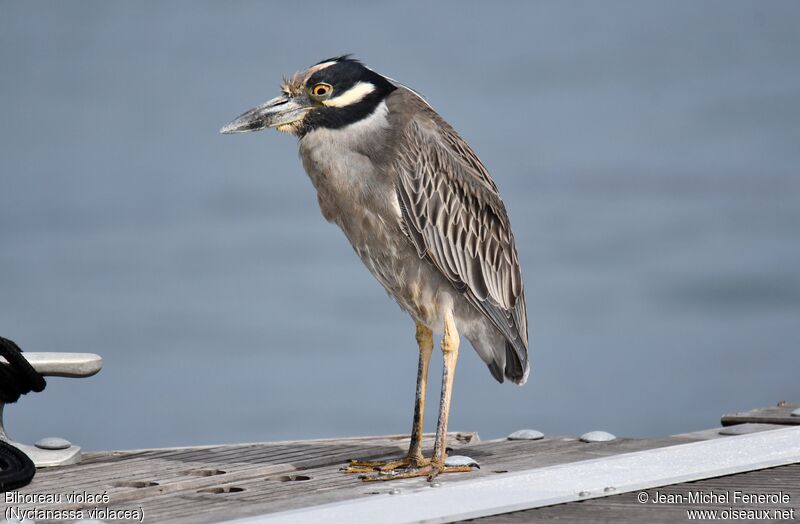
x,y
583,494
460,460
394,491
598,436
53,443
436,484
526,434
609,489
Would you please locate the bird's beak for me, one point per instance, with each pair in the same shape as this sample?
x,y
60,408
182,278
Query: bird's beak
x,y
280,111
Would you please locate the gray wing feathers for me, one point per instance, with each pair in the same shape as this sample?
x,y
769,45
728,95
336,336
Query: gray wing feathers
x,y
455,217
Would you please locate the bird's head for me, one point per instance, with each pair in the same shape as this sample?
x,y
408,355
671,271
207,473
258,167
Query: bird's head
x,y
332,94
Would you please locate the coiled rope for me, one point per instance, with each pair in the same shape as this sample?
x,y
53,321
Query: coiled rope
x,y
17,377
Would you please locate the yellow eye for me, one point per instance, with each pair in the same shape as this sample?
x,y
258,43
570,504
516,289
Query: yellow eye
x,y
321,90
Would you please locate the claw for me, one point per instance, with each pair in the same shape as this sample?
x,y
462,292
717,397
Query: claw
x,y
448,469
407,474
415,462
385,466
357,469
411,466
366,463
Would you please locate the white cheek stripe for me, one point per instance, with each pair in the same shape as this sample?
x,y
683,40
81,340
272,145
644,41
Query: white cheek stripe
x,y
351,96
320,67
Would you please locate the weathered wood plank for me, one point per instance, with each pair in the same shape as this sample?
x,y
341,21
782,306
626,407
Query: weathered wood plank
x,y
545,486
134,477
329,485
213,483
780,414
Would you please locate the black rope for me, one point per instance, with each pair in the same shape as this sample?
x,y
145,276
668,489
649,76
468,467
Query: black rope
x,y
16,468
17,377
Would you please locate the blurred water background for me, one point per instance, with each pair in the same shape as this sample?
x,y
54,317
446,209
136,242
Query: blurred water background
x,y
647,152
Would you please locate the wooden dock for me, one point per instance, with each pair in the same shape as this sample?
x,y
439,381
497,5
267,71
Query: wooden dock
x,y
279,481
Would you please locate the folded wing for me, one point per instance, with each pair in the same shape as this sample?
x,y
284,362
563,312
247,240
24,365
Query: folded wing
x,y
455,217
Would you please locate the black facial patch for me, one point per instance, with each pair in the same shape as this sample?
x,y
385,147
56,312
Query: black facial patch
x,y
343,75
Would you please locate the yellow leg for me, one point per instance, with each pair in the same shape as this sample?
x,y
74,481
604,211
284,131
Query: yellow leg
x,y
414,465
450,343
414,457
425,343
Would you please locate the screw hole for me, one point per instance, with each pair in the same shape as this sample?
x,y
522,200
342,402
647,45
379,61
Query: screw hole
x,y
135,484
500,471
221,489
287,478
205,472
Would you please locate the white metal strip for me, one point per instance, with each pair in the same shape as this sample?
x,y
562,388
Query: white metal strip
x,y
535,488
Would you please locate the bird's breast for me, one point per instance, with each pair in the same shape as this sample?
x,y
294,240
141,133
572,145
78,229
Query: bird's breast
x,y
355,189
348,166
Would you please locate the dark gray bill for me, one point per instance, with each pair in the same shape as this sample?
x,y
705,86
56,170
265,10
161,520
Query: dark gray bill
x,y
277,112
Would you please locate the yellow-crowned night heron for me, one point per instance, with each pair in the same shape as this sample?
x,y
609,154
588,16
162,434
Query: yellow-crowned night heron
x,y
423,214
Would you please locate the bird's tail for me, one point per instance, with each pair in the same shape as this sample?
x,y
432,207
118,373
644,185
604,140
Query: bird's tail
x,y
503,358
516,369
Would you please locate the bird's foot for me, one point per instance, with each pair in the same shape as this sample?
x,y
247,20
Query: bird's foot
x,y
410,466
385,466
430,471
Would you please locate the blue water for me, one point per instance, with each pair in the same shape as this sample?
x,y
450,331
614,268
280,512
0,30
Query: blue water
x,y
647,153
